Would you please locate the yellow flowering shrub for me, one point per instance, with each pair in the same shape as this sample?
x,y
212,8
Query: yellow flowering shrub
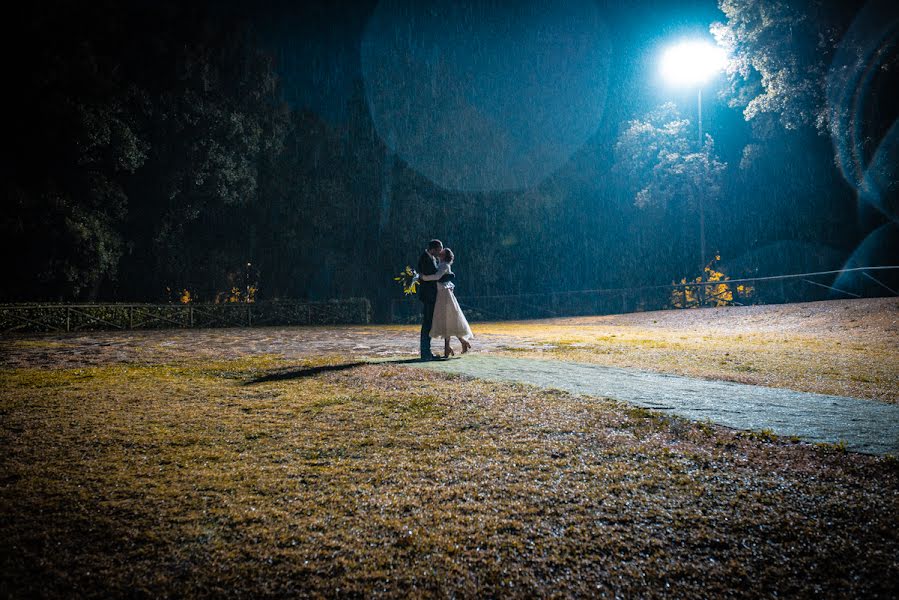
x,y
709,289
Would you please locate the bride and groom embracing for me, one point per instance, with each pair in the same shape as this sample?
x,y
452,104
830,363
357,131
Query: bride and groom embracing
x,y
441,315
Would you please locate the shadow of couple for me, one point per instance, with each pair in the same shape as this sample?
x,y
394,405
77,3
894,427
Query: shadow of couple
x,y
306,372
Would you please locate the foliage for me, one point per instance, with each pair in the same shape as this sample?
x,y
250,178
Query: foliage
x,y
712,289
662,164
671,178
235,294
65,183
215,119
110,149
780,53
817,66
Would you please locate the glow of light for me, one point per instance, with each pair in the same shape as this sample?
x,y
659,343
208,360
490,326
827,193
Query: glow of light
x,y
692,62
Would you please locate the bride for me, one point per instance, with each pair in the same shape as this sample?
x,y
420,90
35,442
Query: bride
x,y
448,318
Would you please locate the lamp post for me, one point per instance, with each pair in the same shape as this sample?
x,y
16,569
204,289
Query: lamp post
x,y
693,63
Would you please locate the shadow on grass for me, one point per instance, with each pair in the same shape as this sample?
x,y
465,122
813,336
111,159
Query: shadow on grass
x,y
313,371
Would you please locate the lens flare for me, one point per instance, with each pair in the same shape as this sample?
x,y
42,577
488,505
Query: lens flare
x,y
485,96
863,53
880,247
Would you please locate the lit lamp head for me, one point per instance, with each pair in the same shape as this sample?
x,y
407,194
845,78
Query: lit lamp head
x,y
692,62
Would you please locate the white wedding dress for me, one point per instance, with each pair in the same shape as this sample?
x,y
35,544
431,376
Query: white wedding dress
x,y
448,318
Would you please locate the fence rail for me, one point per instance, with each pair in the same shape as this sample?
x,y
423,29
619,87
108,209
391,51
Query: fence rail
x,y
89,317
774,289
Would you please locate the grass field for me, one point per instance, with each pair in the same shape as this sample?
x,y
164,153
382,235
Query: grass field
x,y
267,476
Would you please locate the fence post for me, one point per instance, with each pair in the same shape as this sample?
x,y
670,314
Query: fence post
x,y
68,319
190,316
130,317
249,316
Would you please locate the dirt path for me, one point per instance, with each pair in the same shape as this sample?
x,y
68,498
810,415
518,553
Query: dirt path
x,y
863,425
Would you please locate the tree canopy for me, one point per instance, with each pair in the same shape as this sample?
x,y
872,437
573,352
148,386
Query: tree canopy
x,y
153,152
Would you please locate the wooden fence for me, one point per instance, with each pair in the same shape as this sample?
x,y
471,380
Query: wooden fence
x,y
87,317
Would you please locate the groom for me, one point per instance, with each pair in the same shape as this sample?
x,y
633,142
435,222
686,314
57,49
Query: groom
x,y
427,293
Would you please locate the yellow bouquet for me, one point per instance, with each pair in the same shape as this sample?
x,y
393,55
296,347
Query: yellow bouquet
x,y
408,278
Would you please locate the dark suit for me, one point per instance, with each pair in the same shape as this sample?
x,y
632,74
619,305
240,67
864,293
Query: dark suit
x,y
427,293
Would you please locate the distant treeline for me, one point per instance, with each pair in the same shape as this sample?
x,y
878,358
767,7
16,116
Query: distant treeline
x,y
152,152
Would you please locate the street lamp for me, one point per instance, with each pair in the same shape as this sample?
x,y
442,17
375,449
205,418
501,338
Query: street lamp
x,y
690,63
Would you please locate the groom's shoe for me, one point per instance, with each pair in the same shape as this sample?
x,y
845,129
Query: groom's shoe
x,y
429,357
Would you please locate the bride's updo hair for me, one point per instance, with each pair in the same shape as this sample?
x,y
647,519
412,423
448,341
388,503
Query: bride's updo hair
x,y
448,255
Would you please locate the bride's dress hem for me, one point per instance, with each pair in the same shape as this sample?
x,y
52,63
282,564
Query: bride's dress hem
x,y
449,321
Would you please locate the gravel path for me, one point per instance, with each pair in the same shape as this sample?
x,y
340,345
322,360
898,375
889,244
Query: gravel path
x,y
864,425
